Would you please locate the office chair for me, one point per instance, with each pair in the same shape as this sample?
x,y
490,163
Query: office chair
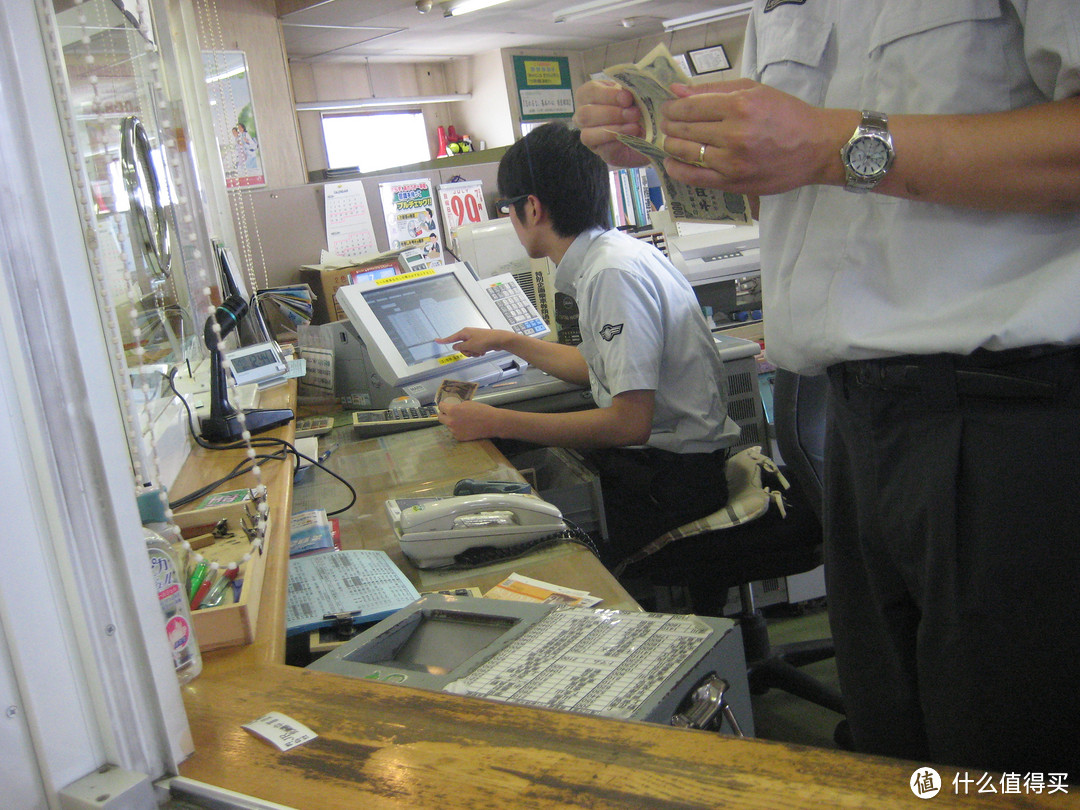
x,y
769,547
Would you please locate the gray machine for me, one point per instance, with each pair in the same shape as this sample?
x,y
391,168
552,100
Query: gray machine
x,y
358,383
669,669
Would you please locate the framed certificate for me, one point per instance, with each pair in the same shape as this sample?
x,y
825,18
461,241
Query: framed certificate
x,y
708,60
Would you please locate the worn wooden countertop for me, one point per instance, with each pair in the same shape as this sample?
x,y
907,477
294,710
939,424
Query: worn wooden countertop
x,y
382,745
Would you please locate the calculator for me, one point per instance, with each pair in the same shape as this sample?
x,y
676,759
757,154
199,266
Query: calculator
x,y
379,423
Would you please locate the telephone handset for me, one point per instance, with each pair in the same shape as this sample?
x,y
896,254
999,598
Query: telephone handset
x,y
433,531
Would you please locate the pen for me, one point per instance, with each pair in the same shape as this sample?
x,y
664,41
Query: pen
x,y
197,577
204,587
217,593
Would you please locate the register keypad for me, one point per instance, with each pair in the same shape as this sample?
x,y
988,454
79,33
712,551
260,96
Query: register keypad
x,y
516,308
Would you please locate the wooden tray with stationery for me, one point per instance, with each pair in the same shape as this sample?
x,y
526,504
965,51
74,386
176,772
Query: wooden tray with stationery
x,y
215,532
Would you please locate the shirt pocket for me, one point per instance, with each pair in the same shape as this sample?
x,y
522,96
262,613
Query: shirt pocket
x,y
791,53
940,57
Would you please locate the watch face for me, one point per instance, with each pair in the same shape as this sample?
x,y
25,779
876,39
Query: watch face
x,y
868,156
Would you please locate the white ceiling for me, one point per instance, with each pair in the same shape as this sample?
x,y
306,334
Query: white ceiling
x,y
394,30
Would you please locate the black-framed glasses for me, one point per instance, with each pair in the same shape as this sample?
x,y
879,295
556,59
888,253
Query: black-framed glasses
x,y
503,205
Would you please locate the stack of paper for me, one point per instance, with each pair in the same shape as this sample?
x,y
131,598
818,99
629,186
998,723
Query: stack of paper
x,y
295,302
363,586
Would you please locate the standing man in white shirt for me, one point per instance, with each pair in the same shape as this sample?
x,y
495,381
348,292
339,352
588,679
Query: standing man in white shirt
x,y
919,171
660,432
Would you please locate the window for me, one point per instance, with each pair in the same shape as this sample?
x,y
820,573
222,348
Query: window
x,y
373,141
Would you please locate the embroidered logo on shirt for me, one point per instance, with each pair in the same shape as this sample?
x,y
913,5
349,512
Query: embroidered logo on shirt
x,y
607,331
771,4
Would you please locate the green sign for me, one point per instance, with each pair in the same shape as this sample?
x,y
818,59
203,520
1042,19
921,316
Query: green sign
x,y
544,90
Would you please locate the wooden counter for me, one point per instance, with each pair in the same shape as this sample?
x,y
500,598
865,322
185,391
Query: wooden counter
x,y
382,745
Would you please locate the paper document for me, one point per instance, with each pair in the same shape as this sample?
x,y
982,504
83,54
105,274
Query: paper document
x,y
349,230
365,585
518,588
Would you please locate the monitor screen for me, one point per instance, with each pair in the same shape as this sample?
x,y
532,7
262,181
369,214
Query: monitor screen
x,y
414,313
440,641
374,273
398,318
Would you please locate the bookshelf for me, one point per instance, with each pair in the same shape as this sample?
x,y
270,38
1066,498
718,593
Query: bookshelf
x,y
630,204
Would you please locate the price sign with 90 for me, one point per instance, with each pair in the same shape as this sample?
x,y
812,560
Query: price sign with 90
x,y
462,204
464,208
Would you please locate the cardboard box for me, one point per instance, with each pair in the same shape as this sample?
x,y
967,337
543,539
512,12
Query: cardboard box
x,y
230,624
325,280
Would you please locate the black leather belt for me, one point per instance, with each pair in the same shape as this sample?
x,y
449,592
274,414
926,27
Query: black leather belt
x,y
1008,374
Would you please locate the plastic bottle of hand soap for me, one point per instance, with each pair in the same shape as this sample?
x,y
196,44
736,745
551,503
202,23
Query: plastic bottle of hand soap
x,y
169,581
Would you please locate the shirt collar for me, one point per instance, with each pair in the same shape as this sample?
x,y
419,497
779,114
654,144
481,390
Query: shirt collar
x,y
568,271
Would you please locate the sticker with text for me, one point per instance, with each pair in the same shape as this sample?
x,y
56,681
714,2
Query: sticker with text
x,y
280,730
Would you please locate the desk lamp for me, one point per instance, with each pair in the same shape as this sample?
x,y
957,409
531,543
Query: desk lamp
x,y
224,424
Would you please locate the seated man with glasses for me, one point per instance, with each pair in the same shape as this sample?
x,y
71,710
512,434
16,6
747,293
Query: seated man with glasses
x,y
660,432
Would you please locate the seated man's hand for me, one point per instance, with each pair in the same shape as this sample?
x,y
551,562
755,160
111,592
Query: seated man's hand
x,y
469,420
604,109
474,342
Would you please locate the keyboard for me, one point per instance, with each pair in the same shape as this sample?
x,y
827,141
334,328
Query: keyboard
x,y
381,423
517,309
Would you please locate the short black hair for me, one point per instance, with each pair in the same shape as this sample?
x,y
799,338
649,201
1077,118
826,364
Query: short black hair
x,y
570,181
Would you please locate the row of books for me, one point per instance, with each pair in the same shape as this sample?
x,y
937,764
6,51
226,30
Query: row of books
x,y
630,205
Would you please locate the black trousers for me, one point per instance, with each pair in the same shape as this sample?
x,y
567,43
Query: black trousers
x,y
953,557
648,492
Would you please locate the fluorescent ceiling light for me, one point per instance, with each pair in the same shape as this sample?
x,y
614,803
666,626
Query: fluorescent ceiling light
x,y
583,10
465,6
362,103
706,17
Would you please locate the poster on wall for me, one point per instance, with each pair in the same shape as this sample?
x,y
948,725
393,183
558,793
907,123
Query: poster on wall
x,y
461,203
409,211
233,114
543,85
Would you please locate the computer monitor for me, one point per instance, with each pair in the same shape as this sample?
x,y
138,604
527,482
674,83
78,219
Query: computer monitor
x,y
399,318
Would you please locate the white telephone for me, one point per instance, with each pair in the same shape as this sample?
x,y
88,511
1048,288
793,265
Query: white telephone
x,y
433,531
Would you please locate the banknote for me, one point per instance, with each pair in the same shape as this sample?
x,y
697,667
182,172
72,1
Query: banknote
x,y
455,391
686,202
649,81
647,148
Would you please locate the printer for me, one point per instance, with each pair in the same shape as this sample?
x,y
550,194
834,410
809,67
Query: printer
x,y
710,252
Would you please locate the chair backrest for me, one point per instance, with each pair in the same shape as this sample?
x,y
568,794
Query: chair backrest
x,y
799,413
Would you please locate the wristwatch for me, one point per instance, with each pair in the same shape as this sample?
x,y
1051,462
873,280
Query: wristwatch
x,y
869,153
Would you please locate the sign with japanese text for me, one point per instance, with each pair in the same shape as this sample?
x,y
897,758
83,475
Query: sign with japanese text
x,y
544,89
409,211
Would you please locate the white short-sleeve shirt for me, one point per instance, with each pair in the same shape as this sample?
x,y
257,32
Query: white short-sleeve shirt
x,y
857,276
642,329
